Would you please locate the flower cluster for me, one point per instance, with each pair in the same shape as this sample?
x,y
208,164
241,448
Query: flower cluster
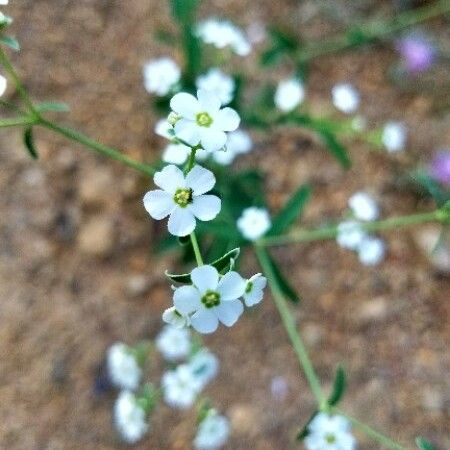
x,y
351,234
214,298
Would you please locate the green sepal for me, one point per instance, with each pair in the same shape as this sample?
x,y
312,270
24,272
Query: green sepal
x,y
423,444
291,211
28,140
339,387
147,398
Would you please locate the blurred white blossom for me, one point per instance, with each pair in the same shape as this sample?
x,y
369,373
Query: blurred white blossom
x,y
254,223
371,250
3,85
123,369
289,94
394,136
161,75
345,98
180,387
219,83
363,206
130,418
350,234
204,366
173,343
213,432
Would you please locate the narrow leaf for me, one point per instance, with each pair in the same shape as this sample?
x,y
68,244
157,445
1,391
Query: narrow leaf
x,y
339,387
336,149
423,444
291,211
52,106
10,42
29,142
287,290
184,278
304,431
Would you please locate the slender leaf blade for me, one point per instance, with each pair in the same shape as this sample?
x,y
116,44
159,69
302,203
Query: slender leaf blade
x,y
304,431
339,387
424,444
336,149
287,290
291,211
53,107
28,140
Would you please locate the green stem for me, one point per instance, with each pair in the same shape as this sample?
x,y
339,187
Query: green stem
x,y
372,31
18,121
97,147
290,326
375,435
331,232
196,248
4,60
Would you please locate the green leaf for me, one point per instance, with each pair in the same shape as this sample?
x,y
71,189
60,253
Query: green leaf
x,y
223,264
336,148
53,106
339,387
304,431
29,142
10,42
423,444
291,211
287,290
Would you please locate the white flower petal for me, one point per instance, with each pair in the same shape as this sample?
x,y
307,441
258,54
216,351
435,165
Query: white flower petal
x,y
3,85
212,139
253,297
200,180
186,105
170,178
188,131
176,153
205,207
227,119
204,321
229,312
159,204
186,299
181,222
204,278
209,101
231,286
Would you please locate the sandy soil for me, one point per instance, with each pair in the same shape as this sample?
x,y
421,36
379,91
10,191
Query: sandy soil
x,y
76,271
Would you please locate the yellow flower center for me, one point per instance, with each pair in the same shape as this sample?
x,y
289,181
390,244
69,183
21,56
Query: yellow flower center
x,y
203,119
211,299
183,197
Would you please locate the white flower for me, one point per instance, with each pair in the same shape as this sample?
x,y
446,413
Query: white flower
x,y
345,98
123,369
4,2
160,75
213,432
254,289
219,83
130,418
173,343
394,136
180,387
211,298
328,432
221,34
350,234
172,317
182,198
164,129
289,94
371,250
176,153
238,143
204,366
3,85
254,223
363,206
203,121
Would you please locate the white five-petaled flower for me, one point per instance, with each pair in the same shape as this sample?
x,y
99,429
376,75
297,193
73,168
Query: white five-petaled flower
x,y
345,98
123,369
213,432
371,250
173,317
130,418
182,198
204,366
289,94
173,343
327,432
211,298
3,85
221,34
363,206
393,136
180,387
202,121
219,83
161,75
254,289
254,223
350,234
